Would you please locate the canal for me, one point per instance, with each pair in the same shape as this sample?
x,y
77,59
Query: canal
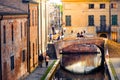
x,y
100,74
84,64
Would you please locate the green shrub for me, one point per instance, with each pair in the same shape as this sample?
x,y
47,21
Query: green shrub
x,y
47,71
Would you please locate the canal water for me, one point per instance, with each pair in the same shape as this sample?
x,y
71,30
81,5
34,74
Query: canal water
x,y
75,69
62,74
81,66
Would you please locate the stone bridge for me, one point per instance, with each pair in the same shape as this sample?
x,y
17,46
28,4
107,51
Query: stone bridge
x,y
99,42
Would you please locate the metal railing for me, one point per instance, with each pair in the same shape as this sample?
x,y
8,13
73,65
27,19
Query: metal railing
x,y
105,28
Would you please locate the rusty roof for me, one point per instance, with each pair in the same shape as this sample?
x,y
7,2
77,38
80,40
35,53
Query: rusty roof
x,y
13,7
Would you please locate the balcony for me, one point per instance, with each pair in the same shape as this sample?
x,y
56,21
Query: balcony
x,y
101,29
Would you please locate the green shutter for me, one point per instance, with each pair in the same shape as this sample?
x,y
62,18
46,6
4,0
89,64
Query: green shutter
x,y
68,20
91,20
114,19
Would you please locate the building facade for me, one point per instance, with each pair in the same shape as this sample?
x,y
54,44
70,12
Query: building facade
x,y
96,18
13,40
43,26
115,20
54,17
33,36
29,21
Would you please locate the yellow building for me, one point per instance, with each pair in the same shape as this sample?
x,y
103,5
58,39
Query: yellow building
x,y
33,36
93,16
115,20
43,25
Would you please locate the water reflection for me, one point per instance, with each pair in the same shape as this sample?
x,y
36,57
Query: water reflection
x,y
81,66
62,74
82,62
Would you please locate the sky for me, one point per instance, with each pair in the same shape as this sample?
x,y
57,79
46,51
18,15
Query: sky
x,y
56,1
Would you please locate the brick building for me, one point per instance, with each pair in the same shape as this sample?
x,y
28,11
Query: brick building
x,y
13,39
33,36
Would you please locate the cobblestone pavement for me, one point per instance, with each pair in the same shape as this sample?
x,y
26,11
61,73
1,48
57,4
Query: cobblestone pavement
x,y
38,72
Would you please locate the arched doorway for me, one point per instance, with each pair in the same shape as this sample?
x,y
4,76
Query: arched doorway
x,y
103,35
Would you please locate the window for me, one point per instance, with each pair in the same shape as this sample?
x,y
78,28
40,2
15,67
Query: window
x,y
33,55
68,20
102,20
25,28
91,20
114,20
23,55
21,29
33,18
33,48
12,32
12,62
102,6
113,5
36,18
91,6
30,49
25,1
36,46
4,34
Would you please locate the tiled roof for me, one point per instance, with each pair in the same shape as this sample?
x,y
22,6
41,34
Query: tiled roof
x,y
13,7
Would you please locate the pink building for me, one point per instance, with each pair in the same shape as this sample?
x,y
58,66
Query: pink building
x,y
13,39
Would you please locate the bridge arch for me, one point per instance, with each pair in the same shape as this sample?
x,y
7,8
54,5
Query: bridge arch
x,y
104,35
81,50
99,42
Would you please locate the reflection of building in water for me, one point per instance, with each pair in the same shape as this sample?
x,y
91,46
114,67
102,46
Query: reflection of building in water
x,y
80,59
64,75
81,62
74,64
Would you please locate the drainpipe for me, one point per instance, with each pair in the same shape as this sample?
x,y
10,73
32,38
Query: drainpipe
x,y
1,17
28,41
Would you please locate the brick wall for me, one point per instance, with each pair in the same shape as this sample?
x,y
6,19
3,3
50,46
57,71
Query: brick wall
x,y
33,36
14,47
